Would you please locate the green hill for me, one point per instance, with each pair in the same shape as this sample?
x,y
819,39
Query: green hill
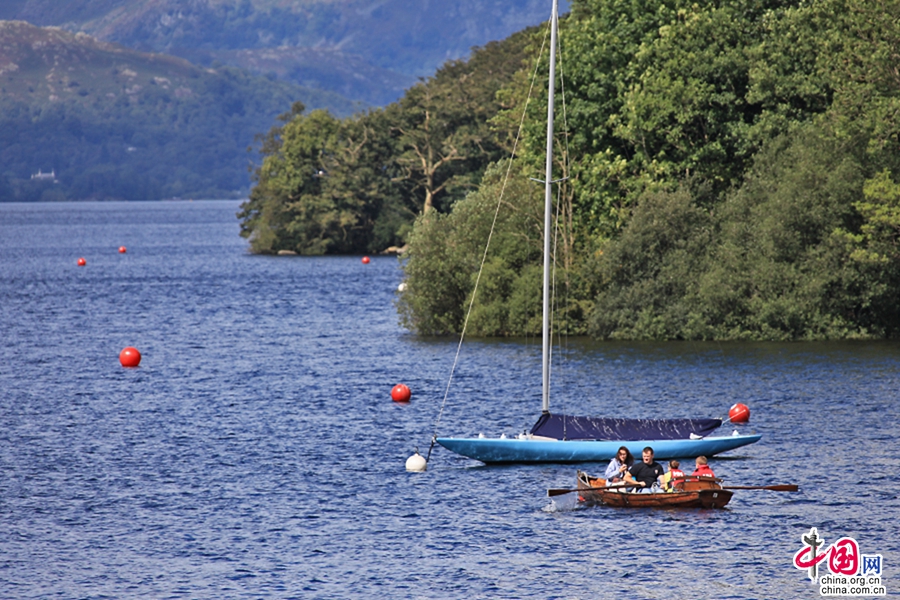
x,y
111,122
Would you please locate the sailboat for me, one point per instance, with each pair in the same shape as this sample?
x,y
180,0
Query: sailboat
x,y
569,439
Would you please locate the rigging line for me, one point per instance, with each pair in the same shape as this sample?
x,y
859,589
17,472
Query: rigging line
x,y
569,216
488,243
554,303
561,215
566,215
562,332
562,86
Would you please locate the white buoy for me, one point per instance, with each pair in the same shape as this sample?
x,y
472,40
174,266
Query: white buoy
x,y
416,463
401,287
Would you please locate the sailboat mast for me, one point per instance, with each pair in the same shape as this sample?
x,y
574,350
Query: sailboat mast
x,y
548,213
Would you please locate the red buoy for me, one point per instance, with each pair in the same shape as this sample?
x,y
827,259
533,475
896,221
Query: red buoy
x,y
81,262
401,393
739,413
130,357
122,249
365,260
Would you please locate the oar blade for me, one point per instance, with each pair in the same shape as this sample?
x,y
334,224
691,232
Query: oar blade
x,y
784,487
787,487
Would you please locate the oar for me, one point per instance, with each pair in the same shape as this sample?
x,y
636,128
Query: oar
x,y
785,487
561,491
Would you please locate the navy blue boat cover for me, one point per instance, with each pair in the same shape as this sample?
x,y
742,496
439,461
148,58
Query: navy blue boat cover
x,y
567,427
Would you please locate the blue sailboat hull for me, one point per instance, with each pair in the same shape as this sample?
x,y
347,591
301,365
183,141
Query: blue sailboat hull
x,y
516,450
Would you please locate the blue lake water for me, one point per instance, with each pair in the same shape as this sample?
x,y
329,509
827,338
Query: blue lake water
x,y
255,453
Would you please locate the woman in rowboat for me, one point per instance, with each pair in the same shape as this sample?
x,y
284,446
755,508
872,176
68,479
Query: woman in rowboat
x,y
618,465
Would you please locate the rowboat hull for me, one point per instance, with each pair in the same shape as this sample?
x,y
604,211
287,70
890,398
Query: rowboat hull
x,y
524,451
698,494
698,499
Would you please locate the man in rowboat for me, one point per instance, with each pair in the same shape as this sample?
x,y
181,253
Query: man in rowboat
x,y
646,474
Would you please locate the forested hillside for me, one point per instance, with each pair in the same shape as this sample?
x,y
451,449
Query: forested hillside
x,y
731,174
109,122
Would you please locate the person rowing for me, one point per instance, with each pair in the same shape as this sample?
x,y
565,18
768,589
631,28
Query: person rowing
x,y
647,474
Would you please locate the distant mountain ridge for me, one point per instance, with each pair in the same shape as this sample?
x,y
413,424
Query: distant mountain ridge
x,y
369,50
111,122
97,96
49,63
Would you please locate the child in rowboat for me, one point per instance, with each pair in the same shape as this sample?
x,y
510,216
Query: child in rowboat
x,y
702,469
673,473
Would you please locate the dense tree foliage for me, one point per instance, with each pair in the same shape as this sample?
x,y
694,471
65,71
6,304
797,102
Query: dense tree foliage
x,y
731,172
763,265
446,251
356,185
325,186
789,251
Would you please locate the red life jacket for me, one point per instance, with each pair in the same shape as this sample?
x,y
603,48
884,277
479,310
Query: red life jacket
x,y
673,475
703,471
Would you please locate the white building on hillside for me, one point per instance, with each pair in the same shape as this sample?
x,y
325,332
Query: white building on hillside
x,y
42,176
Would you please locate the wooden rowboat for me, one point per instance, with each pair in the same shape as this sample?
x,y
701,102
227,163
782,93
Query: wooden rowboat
x,y
691,492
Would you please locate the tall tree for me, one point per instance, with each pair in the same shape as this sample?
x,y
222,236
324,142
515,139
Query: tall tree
x,y
443,123
329,186
432,132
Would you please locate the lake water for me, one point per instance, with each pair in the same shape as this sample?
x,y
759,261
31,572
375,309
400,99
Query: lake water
x,y
255,453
